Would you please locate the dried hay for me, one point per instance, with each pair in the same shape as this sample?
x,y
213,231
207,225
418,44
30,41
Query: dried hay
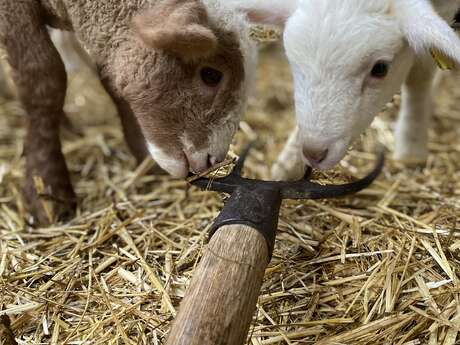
x,y
377,268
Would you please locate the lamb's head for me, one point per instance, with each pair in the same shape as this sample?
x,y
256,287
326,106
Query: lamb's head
x,y
184,73
348,59
347,63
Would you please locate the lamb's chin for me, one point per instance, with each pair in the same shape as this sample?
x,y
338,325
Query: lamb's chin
x,y
177,168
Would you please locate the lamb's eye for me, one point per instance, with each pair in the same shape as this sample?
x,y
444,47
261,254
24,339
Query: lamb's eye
x,y
380,70
210,76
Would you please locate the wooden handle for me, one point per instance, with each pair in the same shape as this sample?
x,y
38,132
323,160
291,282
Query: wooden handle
x,y
222,296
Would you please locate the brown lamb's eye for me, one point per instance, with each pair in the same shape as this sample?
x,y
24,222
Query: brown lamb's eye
x,y
380,70
210,76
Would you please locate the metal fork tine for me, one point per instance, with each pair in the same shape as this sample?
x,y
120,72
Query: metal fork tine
x,y
304,189
240,162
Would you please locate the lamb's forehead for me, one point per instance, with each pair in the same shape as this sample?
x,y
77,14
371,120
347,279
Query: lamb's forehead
x,y
226,18
341,30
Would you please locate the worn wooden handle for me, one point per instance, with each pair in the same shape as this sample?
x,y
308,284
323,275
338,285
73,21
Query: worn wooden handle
x,y
222,296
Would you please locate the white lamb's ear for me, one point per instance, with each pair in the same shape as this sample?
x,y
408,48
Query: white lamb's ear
x,y
426,31
271,12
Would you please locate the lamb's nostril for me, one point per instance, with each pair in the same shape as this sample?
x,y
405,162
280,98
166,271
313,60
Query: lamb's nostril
x,y
315,156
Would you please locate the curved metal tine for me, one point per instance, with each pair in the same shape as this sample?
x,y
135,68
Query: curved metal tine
x,y
216,185
309,190
238,168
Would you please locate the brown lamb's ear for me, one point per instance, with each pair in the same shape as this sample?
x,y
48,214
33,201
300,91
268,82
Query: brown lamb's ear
x,y
179,27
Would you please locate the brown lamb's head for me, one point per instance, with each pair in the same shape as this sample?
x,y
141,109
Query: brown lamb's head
x,y
185,76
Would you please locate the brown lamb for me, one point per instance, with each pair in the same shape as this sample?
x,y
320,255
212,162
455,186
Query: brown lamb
x,y
177,70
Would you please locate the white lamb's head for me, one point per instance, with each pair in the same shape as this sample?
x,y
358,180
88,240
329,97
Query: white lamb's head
x,y
348,58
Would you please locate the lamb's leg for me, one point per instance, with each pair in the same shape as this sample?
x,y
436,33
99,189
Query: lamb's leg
x,y
411,135
289,165
40,77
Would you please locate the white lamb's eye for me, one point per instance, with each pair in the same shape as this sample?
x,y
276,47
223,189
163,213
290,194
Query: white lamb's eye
x,y
380,69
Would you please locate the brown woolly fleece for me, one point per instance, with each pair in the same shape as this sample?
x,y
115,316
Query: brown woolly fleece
x,y
148,54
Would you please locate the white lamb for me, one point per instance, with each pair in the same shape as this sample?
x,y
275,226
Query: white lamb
x,y
348,58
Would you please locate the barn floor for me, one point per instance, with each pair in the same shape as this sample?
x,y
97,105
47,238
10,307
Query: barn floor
x,y
376,268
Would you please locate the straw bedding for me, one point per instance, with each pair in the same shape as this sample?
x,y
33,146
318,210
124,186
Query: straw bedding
x,y
376,268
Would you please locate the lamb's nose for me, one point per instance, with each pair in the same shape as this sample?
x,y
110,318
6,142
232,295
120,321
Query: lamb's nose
x,y
313,156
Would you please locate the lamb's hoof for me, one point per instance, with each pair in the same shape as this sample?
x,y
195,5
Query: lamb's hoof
x,y
287,172
50,205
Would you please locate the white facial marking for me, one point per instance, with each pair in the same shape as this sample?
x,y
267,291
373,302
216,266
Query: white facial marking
x,y
197,159
175,167
218,144
223,14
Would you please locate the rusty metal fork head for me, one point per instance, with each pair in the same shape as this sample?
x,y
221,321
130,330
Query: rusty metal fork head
x,y
256,202
301,189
